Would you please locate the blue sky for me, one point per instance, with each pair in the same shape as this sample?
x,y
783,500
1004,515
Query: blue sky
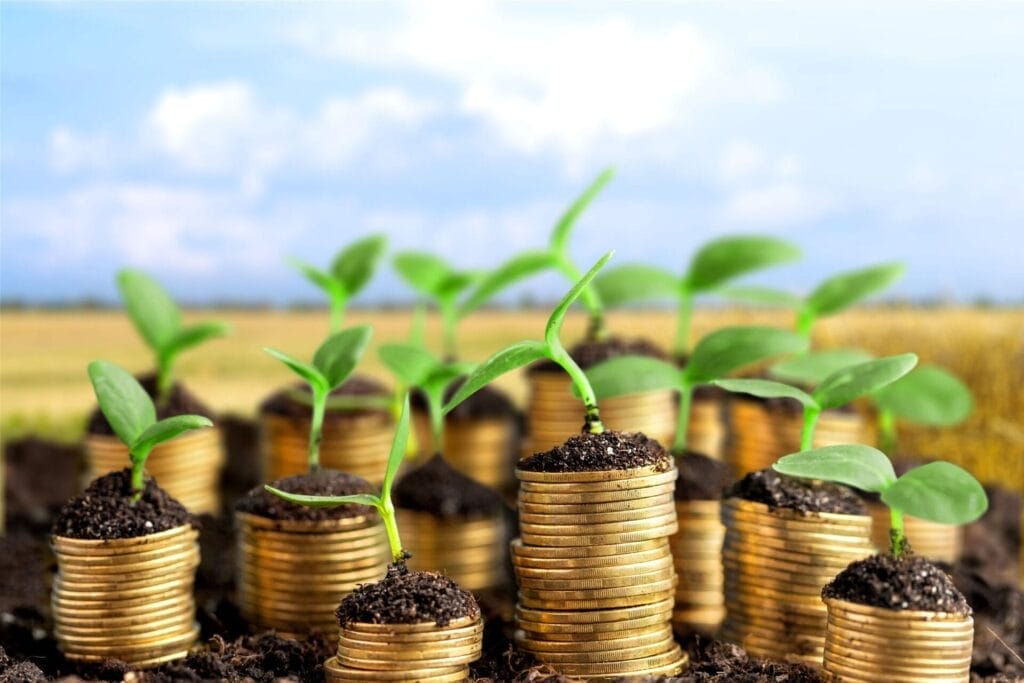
x,y
204,142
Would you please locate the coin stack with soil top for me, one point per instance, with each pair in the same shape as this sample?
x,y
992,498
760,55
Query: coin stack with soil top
x,y
452,524
125,571
410,626
553,414
785,539
357,430
593,564
294,562
705,431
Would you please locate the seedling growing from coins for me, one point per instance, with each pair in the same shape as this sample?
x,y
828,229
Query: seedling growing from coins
x,y
929,395
939,491
132,416
350,271
834,391
714,264
442,284
158,321
332,364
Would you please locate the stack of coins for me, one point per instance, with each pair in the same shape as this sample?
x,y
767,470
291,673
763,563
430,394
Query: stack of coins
x,y
697,550
293,573
938,542
424,652
470,551
879,645
554,414
776,562
705,432
188,467
357,444
595,572
126,598
480,449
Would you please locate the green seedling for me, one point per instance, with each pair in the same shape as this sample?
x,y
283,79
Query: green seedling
x,y
435,279
834,391
554,258
525,352
939,491
811,368
383,503
928,396
415,367
131,414
350,271
332,364
714,264
717,355
158,321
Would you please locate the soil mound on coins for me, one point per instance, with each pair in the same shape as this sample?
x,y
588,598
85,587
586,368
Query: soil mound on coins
x,y
106,510
779,491
259,501
180,402
701,477
407,597
438,488
605,451
489,402
589,353
285,403
908,583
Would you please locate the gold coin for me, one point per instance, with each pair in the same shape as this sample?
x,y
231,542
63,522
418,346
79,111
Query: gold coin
x,y
592,587
392,664
385,658
335,671
588,497
900,629
598,517
436,635
594,508
593,476
632,569
617,550
885,662
542,647
445,647
627,484
550,595
629,661
418,627
921,642
136,648
662,607
587,632
597,563
656,533
635,524
597,603
631,649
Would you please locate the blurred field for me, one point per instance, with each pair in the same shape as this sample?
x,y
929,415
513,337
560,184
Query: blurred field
x,y
44,389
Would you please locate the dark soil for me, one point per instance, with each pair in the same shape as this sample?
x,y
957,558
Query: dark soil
x,y
107,510
282,403
489,402
438,488
606,451
242,447
713,661
407,597
40,477
589,353
180,402
779,491
12,671
263,503
701,477
263,658
998,626
908,583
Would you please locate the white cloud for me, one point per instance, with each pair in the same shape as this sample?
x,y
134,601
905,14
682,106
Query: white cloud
x,y
777,204
739,160
71,151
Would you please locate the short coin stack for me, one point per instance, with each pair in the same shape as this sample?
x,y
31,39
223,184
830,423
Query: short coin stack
x,y
697,549
470,551
424,652
188,467
126,598
357,444
705,432
595,571
293,573
939,542
776,562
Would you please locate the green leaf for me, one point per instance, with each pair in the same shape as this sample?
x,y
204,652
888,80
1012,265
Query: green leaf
x,y
928,395
506,274
398,447
626,375
338,356
812,368
324,281
636,282
861,467
123,401
312,375
766,388
424,272
731,348
554,326
515,356
354,265
560,235
411,364
167,429
150,307
854,381
193,335
940,492
844,290
762,296
454,284
726,258
418,327
325,501
443,375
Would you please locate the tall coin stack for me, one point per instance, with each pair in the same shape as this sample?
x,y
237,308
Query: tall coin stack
x,y
470,551
697,549
705,431
358,444
595,571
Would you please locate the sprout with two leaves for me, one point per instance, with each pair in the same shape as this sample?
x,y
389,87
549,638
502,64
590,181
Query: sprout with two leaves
x,y
442,284
939,491
714,264
158,321
132,416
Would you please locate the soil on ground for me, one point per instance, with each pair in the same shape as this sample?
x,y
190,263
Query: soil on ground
x,y
908,583
489,402
605,451
589,353
283,402
779,491
438,488
701,477
404,596
259,501
108,509
180,402
40,476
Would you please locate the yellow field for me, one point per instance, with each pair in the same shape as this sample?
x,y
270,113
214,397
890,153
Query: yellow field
x,y
43,386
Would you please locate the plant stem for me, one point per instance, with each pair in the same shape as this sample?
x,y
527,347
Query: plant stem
x,y
887,432
810,422
805,323
316,428
435,403
387,514
337,314
897,536
164,380
138,467
597,330
683,317
579,379
683,419
449,321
